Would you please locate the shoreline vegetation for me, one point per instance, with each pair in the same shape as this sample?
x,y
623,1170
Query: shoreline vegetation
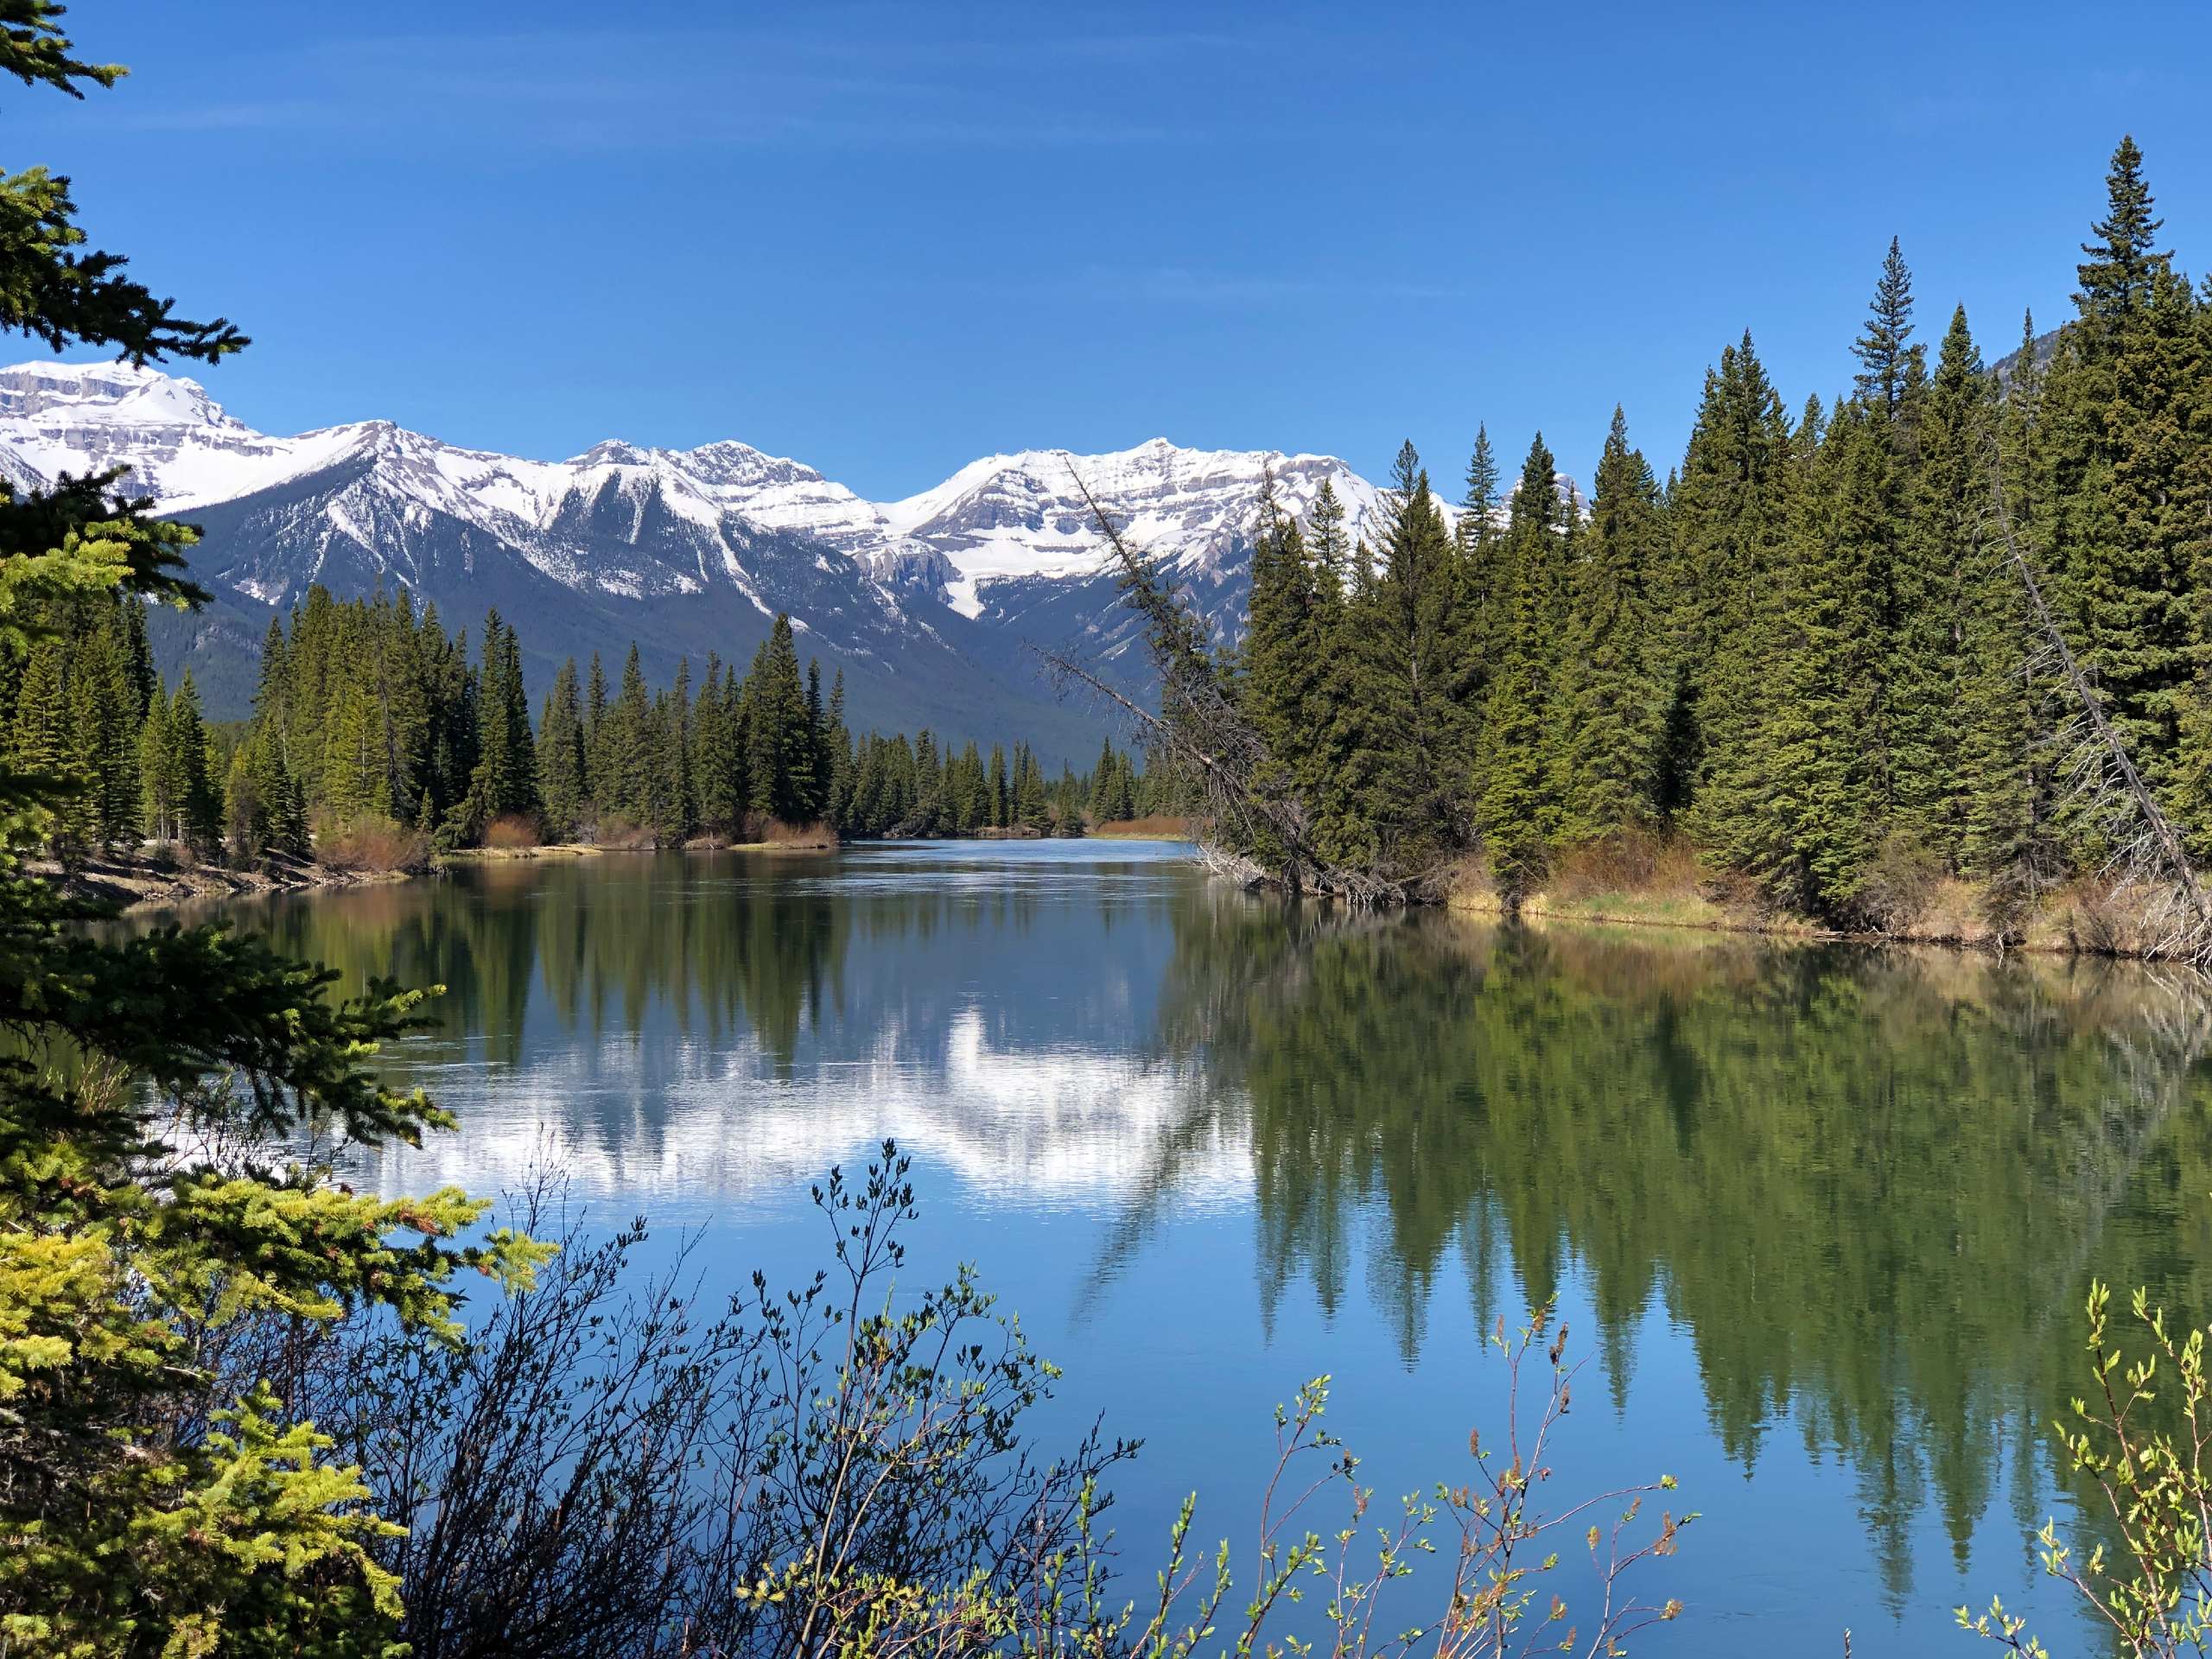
x,y
2084,918
155,879
1638,887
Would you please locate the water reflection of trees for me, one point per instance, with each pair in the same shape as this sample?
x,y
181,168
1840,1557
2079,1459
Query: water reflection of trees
x,y
1870,1187
611,945
1867,1187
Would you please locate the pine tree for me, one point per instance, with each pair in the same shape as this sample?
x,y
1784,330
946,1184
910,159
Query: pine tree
x,y
2117,277
561,756
1888,362
1731,513
1519,800
1610,697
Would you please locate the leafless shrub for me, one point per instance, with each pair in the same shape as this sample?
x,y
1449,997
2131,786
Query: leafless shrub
x,y
371,844
601,1471
620,834
511,833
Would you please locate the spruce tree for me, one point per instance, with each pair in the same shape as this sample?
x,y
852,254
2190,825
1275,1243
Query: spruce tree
x,y
2120,496
622,786
1971,633
147,1508
561,756
2118,276
1519,805
199,796
1809,816
43,744
1731,514
1888,362
1610,697
1280,670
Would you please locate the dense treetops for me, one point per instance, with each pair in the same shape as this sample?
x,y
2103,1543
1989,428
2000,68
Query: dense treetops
x,y
1805,649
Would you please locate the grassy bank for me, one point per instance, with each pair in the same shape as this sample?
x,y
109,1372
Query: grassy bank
x,y
1158,827
1664,884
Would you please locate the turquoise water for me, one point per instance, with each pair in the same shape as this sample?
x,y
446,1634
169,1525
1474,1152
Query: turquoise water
x,y
1818,1220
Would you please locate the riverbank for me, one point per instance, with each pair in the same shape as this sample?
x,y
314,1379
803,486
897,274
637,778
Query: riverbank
x,y
1667,887
133,881
1158,827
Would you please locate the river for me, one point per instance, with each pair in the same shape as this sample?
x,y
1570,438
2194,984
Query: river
x,y
1820,1218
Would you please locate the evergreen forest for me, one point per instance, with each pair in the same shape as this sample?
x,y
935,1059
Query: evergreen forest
x,y
370,714
1807,649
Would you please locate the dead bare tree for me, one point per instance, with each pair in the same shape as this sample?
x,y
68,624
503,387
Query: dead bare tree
x,y
1202,731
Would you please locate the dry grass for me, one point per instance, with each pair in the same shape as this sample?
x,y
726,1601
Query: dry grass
x,y
815,837
1951,911
1633,861
508,834
2094,918
1157,827
1634,877
372,845
1637,876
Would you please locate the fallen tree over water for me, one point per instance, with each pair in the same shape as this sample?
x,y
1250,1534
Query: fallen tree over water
x,y
1261,830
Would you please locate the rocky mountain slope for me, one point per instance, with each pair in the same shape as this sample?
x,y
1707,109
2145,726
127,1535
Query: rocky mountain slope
x,y
931,606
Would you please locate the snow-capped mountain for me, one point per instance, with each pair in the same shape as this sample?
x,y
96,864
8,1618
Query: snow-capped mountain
x,y
928,604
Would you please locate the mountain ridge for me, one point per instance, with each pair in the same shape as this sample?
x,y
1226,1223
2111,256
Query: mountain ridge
x,y
686,550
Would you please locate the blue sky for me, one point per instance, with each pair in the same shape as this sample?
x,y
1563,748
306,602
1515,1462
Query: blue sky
x,y
887,239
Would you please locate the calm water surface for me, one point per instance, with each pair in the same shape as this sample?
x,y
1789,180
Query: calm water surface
x,y
1822,1218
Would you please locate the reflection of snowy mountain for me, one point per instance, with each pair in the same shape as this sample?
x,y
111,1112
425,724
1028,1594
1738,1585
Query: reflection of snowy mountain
x,y
1061,1126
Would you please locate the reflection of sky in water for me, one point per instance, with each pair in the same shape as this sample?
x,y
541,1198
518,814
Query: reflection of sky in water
x,y
699,1038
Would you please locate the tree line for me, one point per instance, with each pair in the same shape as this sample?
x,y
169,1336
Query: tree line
x,y
1803,648
369,711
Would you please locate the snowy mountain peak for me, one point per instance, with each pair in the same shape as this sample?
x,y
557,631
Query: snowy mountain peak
x,y
112,394
1025,514
693,549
